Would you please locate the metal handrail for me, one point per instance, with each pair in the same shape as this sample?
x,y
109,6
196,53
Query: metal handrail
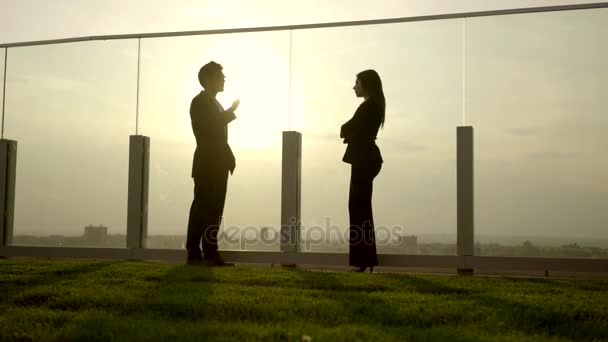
x,y
316,26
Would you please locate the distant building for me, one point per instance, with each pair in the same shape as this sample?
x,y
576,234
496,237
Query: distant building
x,y
95,235
409,244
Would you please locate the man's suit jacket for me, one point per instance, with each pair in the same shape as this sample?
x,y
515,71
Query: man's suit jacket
x,y
210,127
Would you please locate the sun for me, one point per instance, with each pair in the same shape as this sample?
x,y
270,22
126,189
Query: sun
x,y
257,68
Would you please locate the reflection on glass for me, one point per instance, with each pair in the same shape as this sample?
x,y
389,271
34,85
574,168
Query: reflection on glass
x,y
71,107
256,66
536,86
414,194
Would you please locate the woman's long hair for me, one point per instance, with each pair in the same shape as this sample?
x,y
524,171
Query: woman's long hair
x,y
370,80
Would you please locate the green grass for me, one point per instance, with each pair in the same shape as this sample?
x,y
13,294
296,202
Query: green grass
x,y
139,301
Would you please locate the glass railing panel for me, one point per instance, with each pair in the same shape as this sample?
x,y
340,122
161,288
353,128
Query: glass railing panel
x,y
256,66
536,96
71,109
414,194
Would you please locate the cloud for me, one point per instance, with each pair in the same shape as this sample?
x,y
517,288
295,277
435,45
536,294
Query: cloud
x,y
49,82
524,131
401,145
552,155
384,143
324,136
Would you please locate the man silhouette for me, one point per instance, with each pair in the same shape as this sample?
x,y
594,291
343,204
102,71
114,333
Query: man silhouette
x,y
213,159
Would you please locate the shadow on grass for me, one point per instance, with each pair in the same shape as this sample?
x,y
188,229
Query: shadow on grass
x,y
364,303
548,317
153,299
435,305
400,306
175,294
561,284
421,285
16,289
181,293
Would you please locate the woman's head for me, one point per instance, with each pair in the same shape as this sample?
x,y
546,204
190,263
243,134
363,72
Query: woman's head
x,y
369,85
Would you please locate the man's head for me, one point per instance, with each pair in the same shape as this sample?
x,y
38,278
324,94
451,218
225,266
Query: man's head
x,y
211,77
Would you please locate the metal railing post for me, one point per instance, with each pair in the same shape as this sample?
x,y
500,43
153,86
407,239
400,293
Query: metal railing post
x,y
8,172
465,243
137,207
291,191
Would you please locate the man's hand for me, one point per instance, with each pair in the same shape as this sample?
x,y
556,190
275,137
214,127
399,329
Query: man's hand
x,y
235,105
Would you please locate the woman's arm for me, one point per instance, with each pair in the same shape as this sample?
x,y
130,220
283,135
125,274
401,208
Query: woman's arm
x,y
360,120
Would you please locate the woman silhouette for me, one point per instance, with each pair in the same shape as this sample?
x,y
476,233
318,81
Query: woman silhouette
x,y
364,156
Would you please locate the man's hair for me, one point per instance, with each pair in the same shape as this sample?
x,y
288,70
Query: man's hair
x,y
207,71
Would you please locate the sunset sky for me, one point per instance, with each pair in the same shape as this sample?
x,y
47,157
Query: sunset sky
x,y
534,91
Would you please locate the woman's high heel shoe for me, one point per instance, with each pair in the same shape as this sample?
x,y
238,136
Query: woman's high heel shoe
x,y
371,269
